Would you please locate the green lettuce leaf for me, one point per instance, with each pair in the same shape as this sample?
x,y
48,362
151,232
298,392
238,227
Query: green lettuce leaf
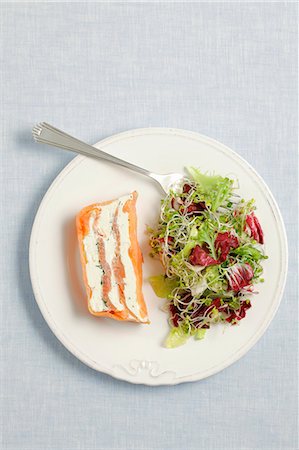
x,y
249,252
206,234
216,189
162,285
200,334
176,337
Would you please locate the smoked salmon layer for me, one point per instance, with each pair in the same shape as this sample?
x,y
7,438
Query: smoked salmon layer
x,y
112,260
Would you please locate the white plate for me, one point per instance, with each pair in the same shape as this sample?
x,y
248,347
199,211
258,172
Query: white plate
x,y
131,351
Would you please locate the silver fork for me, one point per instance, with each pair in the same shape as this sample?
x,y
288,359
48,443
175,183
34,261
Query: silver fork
x,y
44,133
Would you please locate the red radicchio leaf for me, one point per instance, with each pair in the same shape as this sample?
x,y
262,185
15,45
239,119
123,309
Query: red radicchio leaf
x,y
186,299
240,313
253,228
196,208
240,276
197,316
186,188
243,309
199,311
174,315
199,257
170,239
216,302
224,242
176,202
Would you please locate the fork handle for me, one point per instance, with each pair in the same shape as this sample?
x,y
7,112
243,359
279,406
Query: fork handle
x,y
47,134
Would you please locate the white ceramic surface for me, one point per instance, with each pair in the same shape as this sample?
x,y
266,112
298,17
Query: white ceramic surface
x,y
130,351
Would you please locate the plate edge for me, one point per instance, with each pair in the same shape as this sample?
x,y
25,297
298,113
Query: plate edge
x,y
70,166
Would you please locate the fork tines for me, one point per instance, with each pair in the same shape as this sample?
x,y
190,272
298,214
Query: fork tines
x,y
37,130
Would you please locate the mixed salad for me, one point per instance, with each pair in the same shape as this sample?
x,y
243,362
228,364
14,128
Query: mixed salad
x,y
210,243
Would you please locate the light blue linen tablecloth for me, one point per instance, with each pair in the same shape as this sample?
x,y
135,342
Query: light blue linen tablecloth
x,y
227,70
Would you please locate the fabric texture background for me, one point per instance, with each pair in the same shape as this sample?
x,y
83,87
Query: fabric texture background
x,y
227,70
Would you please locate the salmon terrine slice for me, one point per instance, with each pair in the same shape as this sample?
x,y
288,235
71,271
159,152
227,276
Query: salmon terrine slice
x,y
112,260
